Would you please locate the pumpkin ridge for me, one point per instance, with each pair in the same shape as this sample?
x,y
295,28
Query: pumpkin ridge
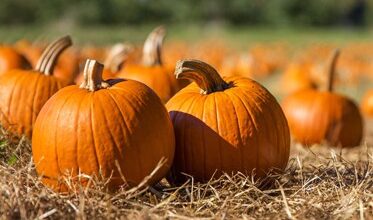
x,y
33,116
91,95
232,94
14,111
189,107
105,122
77,133
124,129
238,129
177,115
194,113
204,144
18,78
272,121
140,163
218,132
55,134
249,108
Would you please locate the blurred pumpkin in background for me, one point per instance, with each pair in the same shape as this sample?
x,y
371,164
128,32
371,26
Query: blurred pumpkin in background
x,y
316,116
24,92
150,70
11,59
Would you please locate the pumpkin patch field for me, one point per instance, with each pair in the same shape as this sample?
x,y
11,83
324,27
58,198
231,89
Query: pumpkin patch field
x,y
163,123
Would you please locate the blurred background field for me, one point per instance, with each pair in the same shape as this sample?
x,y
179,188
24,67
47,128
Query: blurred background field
x,y
237,21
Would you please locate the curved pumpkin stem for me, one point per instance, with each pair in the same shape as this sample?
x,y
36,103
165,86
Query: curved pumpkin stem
x,y
206,77
117,56
93,76
50,55
332,70
152,50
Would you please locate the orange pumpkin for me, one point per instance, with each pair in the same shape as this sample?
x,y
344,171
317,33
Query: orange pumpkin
x,y
317,116
151,72
67,66
226,125
24,92
99,127
296,77
11,59
367,104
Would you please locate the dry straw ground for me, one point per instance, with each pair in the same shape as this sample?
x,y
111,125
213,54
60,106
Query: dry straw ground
x,y
319,183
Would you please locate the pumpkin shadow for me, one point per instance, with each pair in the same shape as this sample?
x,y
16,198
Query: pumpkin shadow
x,y
182,172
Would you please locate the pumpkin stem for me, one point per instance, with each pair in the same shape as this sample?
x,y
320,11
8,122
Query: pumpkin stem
x,y
206,77
117,56
93,76
332,70
50,55
152,50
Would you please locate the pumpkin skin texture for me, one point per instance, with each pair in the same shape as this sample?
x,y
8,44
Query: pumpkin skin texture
x,y
315,116
367,104
86,129
324,116
156,77
11,59
24,92
151,70
229,126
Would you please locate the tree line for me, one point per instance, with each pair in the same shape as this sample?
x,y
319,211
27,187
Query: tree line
x,y
235,12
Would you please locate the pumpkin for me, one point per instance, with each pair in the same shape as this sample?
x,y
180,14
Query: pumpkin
x,y
67,66
297,76
367,103
151,72
11,59
32,51
317,116
24,92
231,125
87,128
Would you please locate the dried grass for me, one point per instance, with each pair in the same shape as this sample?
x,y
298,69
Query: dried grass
x,y
319,183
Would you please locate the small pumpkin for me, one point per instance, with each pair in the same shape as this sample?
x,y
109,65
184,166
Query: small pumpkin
x,y
226,125
367,104
11,59
94,128
317,116
150,71
24,92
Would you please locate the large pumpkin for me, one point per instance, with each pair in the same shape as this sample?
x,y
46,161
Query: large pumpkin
x,y
24,92
117,129
150,71
11,59
225,125
317,116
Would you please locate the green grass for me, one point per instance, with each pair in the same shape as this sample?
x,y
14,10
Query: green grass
x,y
236,36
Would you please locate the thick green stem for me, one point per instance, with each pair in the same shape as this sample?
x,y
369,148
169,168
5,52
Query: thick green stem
x,y
206,77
